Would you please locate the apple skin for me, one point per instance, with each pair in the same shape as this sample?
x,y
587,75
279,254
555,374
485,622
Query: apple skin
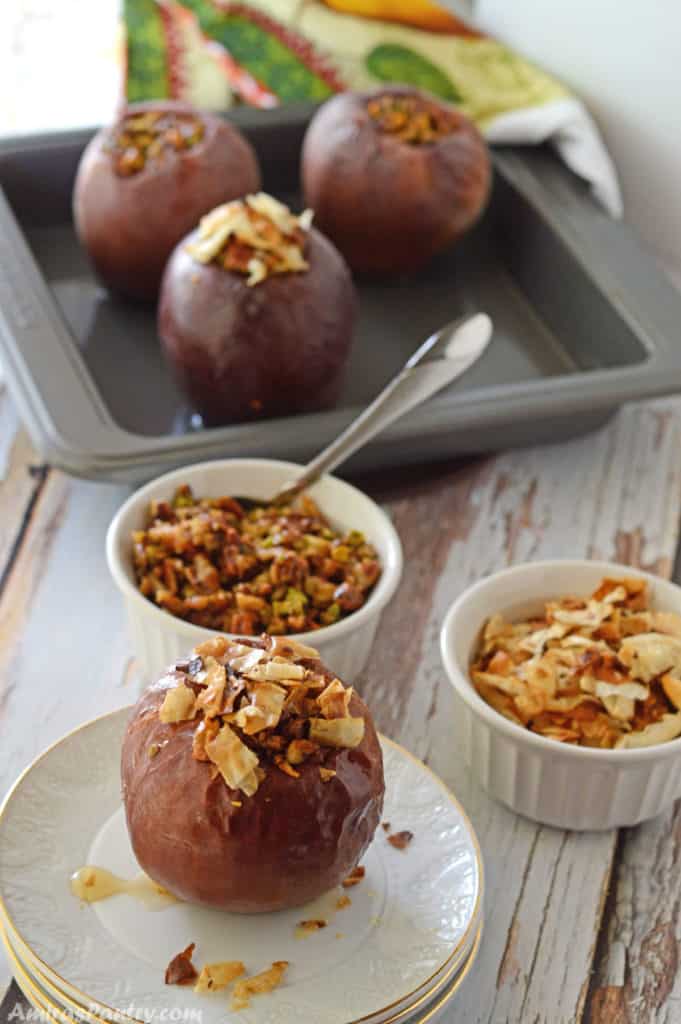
x,y
130,225
389,206
277,348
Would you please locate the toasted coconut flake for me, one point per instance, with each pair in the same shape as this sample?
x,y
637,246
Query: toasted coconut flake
x,y
211,698
620,707
335,700
343,901
243,663
215,647
650,655
179,705
276,672
666,622
266,981
506,684
264,711
181,970
537,641
337,732
290,648
667,728
214,977
634,691
672,688
235,761
326,774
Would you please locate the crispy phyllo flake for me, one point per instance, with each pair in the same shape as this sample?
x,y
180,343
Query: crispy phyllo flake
x,y
179,705
354,878
181,970
401,840
235,761
258,984
214,977
335,700
337,732
604,671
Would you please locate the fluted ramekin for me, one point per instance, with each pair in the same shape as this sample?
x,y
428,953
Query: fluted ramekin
x,y
160,638
552,783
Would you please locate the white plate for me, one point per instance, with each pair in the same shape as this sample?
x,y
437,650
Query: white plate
x,y
411,924
45,997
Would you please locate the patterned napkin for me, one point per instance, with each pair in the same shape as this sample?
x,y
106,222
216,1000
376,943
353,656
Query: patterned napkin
x,y
215,53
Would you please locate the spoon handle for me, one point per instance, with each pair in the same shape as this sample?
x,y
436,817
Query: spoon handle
x,y
446,355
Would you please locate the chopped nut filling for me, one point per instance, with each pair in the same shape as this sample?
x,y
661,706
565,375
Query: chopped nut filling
x,y
256,236
143,137
280,570
181,970
256,985
603,672
354,878
411,119
401,840
247,724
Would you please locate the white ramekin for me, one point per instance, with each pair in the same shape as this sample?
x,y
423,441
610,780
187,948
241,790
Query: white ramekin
x,y
550,782
159,638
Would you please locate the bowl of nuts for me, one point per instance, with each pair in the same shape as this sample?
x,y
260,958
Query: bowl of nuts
x,y
192,561
567,679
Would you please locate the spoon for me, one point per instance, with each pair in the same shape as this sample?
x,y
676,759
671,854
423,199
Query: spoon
x,y
441,359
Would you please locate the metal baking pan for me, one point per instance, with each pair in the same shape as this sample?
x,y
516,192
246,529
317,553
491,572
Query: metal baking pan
x,y
584,321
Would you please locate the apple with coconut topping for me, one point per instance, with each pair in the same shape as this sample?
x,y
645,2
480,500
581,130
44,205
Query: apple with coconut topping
x,y
256,313
266,785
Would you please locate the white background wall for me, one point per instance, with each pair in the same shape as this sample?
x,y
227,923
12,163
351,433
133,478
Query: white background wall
x,y
624,59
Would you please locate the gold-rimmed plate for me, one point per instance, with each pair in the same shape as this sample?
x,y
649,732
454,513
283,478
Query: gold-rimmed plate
x,y
427,1010
409,928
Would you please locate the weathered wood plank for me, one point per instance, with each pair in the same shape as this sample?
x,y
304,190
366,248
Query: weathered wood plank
x,y
20,479
612,494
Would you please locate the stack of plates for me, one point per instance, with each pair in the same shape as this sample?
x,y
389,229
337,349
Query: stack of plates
x,y
398,953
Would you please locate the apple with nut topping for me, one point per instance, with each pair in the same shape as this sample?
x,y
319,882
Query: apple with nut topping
x,y
256,313
394,176
143,183
252,777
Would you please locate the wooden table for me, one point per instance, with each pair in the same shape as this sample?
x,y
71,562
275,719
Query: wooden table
x,y
578,926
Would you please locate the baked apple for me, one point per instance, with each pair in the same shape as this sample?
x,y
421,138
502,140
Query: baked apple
x,y
143,183
252,777
256,313
394,176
